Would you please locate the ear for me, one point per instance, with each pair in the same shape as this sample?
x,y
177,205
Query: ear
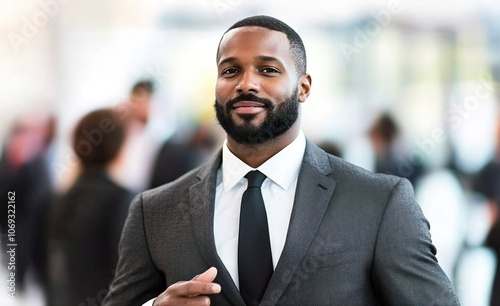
x,y
304,87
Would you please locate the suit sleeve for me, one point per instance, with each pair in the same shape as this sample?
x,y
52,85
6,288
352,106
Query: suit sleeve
x,y
137,279
405,269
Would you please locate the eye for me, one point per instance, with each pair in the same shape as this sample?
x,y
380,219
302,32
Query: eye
x,y
229,71
269,70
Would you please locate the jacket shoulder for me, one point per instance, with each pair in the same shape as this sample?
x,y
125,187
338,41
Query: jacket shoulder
x,y
171,190
346,171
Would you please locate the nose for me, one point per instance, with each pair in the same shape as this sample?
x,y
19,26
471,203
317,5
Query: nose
x,y
248,82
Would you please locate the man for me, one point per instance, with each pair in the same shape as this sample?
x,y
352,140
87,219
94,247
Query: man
x,y
337,234
134,166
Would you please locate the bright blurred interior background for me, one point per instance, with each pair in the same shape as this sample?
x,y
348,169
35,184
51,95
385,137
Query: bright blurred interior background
x,y
434,67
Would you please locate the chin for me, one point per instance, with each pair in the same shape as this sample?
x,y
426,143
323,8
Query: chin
x,y
249,118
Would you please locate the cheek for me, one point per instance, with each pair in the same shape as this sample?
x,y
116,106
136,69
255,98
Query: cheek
x,y
220,91
280,90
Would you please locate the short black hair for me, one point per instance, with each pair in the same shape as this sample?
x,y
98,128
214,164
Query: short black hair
x,y
297,48
147,86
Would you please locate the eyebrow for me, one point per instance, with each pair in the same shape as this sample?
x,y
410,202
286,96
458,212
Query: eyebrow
x,y
263,58
227,60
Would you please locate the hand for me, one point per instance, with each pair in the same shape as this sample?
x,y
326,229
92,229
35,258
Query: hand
x,y
191,292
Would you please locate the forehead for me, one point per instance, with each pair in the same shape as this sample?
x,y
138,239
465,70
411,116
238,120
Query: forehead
x,y
255,41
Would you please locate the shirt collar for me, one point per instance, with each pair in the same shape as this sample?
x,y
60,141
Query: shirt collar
x,y
283,168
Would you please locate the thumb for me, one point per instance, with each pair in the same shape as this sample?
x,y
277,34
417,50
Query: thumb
x,y
207,276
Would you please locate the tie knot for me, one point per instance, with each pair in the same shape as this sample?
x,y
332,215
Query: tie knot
x,y
255,178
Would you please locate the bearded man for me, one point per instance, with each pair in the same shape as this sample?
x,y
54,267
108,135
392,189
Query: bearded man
x,y
272,219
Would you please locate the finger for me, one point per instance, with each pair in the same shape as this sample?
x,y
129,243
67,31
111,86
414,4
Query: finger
x,y
193,288
199,301
192,301
207,276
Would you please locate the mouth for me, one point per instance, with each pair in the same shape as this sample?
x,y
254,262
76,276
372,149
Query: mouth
x,y
248,107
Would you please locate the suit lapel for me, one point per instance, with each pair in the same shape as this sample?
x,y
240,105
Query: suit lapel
x,y
313,193
202,197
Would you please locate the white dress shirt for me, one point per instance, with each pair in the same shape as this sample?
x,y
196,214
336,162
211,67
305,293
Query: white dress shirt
x,y
278,192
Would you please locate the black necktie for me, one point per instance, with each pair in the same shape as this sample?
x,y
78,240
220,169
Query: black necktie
x,y
255,263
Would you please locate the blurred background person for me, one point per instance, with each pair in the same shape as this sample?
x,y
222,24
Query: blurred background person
x,y
488,184
330,147
183,152
134,165
383,136
24,171
86,221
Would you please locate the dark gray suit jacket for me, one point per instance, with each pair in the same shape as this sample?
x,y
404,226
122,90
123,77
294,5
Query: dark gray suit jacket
x,y
355,238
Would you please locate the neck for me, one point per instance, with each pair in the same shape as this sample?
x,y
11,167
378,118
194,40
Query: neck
x,y
257,154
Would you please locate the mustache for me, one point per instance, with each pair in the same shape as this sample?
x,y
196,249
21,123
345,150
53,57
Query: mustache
x,y
248,97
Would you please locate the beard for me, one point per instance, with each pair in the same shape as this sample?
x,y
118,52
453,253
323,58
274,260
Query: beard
x,y
280,117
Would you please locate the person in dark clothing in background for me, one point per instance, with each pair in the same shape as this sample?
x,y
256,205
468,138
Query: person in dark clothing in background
x,y
87,220
383,135
179,155
24,174
487,182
